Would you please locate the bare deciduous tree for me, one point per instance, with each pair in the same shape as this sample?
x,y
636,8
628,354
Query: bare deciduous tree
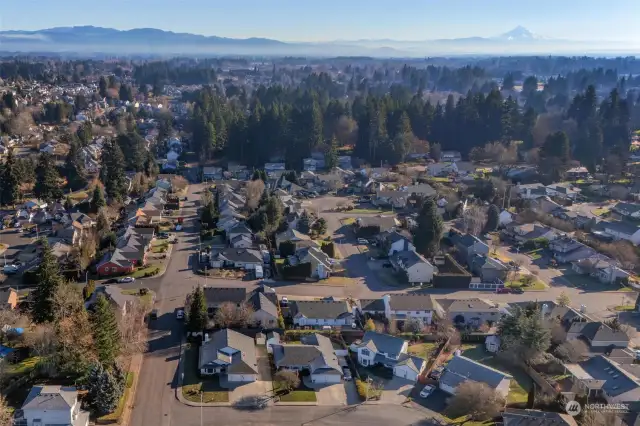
x,y
225,315
133,330
6,415
473,220
67,301
244,314
476,400
41,340
254,190
22,123
178,183
571,351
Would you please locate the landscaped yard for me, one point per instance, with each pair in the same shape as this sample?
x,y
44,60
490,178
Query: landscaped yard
x,y
23,367
536,284
337,281
519,389
196,389
139,273
534,254
423,350
499,256
348,221
302,394
600,211
160,246
624,308
146,299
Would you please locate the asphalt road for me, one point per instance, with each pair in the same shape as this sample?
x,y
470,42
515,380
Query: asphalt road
x,y
155,402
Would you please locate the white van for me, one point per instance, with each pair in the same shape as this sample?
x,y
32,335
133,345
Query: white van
x,y
326,328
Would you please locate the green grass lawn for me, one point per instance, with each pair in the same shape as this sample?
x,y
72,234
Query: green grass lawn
x,y
625,308
519,389
600,211
193,386
160,246
423,350
139,273
23,367
535,285
534,254
627,289
146,299
440,179
348,221
302,394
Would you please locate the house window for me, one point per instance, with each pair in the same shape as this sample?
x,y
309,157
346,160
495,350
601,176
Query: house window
x,y
209,370
365,352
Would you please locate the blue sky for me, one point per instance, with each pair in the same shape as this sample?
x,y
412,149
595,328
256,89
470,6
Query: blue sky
x,y
318,20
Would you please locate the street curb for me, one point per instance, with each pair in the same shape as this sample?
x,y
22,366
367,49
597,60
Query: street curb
x,y
297,404
129,405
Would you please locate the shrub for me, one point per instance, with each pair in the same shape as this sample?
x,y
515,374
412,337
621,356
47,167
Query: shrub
x,y
329,249
144,291
365,389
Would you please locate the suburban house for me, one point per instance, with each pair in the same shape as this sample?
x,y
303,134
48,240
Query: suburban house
x,y
319,260
291,235
618,230
378,224
472,312
396,242
396,199
212,173
418,269
274,169
460,369
390,351
566,191
263,300
441,169
578,219
122,303
566,249
321,313
237,258
489,269
450,156
606,270
371,306
8,298
601,377
630,210
240,236
531,191
52,405
405,306
468,246
530,231
130,252
315,355
526,417
598,335
229,354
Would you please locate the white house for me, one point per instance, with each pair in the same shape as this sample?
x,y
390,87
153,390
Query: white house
x,y
411,305
631,210
390,351
461,369
237,258
564,191
231,354
621,230
52,405
397,243
321,313
417,268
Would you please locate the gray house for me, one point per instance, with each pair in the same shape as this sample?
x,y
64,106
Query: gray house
x,y
599,335
566,249
316,356
231,355
461,369
468,246
489,269
471,312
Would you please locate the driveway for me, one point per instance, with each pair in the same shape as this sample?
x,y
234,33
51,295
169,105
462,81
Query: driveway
x,y
331,394
396,390
263,387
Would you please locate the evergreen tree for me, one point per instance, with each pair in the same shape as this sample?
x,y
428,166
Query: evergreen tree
x,y
102,87
47,186
74,168
112,173
106,334
493,219
125,93
49,279
85,133
427,234
10,188
303,224
106,387
331,157
197,320
97,199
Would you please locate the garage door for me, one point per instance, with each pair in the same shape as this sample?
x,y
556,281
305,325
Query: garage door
x,y
319,378
241,377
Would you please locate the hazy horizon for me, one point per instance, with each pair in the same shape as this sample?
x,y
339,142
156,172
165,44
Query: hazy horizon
x,y
333,20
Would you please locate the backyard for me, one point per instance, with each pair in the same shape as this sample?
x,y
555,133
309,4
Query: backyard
x,y
423,350
519,389
196,389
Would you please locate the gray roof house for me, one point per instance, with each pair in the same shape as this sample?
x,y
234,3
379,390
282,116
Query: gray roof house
x,y
321,313
418,269
237,258
53,405
468,246
598,335
600,376
263,300
518,417
566,249
371,306
460,369
491,270
412,305
390,351
316,355
472,312
230,354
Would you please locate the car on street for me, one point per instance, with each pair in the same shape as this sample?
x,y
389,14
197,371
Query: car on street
x,y
347,374
284,301
436,372
124,280
154,314
517,290
180,314
10,269
503,290
428,390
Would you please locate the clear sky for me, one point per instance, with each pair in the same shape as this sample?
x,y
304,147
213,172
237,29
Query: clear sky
x,y
321,20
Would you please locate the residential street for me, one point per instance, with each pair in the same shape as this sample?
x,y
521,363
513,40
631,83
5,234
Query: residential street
x,y
155,402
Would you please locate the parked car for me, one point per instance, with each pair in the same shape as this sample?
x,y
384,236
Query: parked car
x,y
180,314
10,269
362,241
503,290
284,301
347,374
154,314
126,280
428,390
517,290
436,372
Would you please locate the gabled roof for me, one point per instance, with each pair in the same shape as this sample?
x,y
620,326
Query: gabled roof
x,y
408,258
411,302
414,363
50,398
468,305
219,295
517,417
239,255
316,353
376,305
385,223
320,309
599,332
460,369
242,361
240,228
617,381
5,294
383,343
627,208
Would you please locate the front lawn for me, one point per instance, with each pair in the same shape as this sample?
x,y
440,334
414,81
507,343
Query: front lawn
x,y
160,246
423,350
337,281
370,210
23,367
302,394
196,389
146,299
142,272
601,211
534,254
348,221
519,283
521,383
625,308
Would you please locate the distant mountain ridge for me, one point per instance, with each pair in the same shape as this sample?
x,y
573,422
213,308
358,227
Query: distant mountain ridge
x,y
90,39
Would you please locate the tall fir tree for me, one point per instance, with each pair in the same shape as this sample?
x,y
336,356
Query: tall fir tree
x,y
74,167
428,233
493,218
112,173
49,279
106,387
47,186
106,334
10,190
197,320
97,198
331,157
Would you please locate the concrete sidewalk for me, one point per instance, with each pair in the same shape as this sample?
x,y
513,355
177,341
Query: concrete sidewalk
x,y
134,367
